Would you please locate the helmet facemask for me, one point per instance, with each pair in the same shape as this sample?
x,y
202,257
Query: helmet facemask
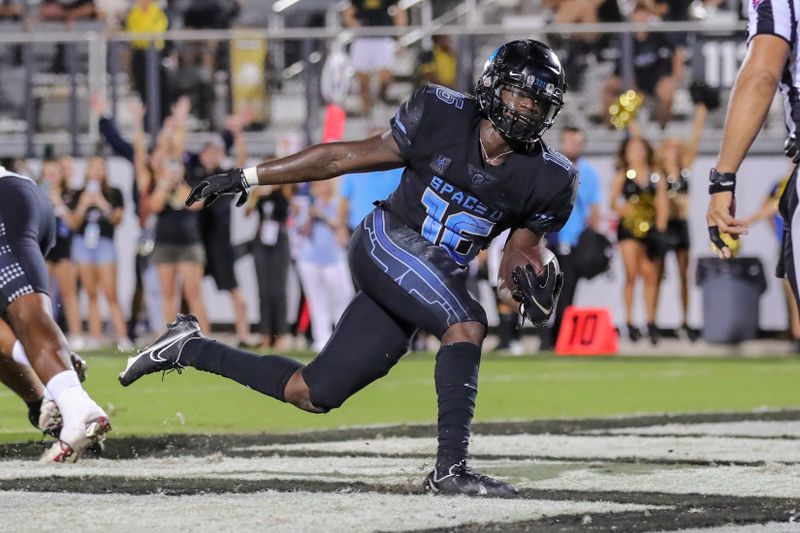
x,y
519,113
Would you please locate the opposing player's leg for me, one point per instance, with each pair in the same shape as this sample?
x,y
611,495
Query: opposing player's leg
x,y
16,373
18,377
26,232
424,287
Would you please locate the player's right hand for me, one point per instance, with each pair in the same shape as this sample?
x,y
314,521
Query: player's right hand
x,y
225,184
721,218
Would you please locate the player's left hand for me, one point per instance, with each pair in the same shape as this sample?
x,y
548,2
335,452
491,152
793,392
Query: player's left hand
x,y
721,217
537,295
225,184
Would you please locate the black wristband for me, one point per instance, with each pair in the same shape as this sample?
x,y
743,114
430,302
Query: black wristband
x,y
721,182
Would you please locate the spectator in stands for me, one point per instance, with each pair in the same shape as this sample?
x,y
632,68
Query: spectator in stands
x,y
215,225
146,300
68,11
53,180
97,210
322,263
439,64
12,10
113,11
373,54
575,49
178,251
657,68
271,255
211,14
198,61
585,213
146,16
676,159
672,10
639,197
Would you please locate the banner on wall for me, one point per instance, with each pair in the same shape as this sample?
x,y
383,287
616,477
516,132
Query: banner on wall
x,y
248,77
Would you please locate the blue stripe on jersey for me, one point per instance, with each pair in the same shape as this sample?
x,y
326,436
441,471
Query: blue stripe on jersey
x,y
413,263
766,20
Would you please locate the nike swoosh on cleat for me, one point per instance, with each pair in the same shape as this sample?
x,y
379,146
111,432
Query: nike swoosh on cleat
x,y
151,352
155,355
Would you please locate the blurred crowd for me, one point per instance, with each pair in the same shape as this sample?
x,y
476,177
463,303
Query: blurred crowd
x,y
194,68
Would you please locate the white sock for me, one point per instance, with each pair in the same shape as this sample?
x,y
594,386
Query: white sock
x,y
66,390
19,355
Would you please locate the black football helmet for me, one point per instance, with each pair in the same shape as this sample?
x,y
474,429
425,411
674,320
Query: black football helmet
x,y
529,67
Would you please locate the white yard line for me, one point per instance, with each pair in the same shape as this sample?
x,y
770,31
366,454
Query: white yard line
x,y
778,481
667,448
772,480
751,428
275,512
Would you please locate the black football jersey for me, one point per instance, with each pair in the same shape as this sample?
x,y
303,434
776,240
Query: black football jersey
x,y
452,197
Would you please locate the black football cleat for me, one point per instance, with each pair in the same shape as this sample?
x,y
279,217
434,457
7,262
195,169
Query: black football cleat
x,y
165,353
461,479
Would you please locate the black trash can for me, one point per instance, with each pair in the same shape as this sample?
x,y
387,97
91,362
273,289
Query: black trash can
x,y
731,291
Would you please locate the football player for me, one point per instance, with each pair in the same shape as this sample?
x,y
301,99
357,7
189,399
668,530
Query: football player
x,y
17,374
27,232
474,166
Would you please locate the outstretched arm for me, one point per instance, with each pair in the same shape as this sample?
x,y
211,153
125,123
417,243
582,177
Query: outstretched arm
x,y
325,161
319,162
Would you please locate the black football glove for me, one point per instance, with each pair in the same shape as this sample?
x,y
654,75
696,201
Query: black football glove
x,y
537,296
225,184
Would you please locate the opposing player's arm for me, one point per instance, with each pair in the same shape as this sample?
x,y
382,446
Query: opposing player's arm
x,y
751,98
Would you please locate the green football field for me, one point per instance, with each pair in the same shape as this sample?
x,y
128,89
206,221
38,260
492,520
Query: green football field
x,y
535,387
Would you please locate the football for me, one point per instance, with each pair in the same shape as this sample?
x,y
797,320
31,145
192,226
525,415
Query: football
x,y
538,257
